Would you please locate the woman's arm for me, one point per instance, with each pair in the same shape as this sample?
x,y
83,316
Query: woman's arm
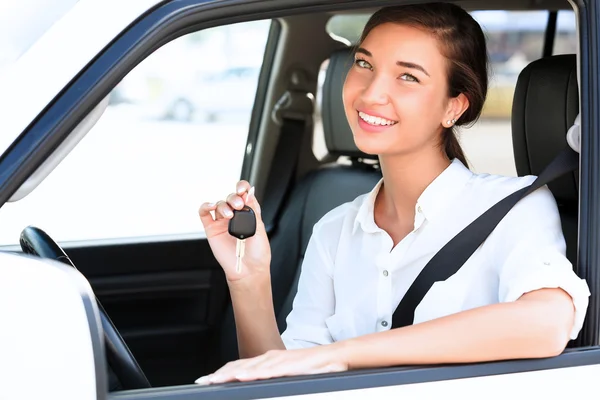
x,y
255,320
536,325
314,302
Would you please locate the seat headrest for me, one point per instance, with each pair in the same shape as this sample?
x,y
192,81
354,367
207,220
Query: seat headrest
x,y
545,105
338,135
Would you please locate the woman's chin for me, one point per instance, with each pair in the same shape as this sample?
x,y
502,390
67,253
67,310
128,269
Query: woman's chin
x,y
371,146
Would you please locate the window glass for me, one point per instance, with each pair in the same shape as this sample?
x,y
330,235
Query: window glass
x,y
565,41
173,136
514,39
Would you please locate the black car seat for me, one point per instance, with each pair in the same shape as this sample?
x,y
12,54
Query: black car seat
x,y
545,105
316,194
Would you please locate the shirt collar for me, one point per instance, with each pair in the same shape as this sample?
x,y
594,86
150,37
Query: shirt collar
x,y
444,188
365,217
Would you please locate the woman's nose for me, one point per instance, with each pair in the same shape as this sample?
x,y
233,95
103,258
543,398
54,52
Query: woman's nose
x,y
376,91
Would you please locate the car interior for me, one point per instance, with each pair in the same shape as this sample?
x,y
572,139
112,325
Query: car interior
x,y
167,297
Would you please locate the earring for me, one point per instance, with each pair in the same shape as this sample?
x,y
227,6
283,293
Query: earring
x,y
453,121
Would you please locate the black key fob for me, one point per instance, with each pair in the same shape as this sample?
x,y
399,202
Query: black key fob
x,y
243,223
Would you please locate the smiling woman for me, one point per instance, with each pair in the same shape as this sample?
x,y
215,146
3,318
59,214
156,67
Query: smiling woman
x,y
514,39
419,71
458,53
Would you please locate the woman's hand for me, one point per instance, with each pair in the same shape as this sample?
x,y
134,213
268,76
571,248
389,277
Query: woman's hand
x,y
278,363
257,255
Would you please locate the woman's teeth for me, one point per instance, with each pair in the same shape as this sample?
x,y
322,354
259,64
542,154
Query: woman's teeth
x,y
371,120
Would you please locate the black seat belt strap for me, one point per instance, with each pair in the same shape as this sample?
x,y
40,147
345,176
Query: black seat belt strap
x,y
283,169
293,112
450,258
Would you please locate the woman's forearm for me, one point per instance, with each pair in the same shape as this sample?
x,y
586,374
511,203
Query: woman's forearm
x,y
255,321
536,326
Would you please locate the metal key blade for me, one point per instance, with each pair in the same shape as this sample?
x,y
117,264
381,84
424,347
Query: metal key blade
x,y
239,250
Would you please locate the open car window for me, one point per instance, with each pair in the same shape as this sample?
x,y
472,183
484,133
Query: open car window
x,y
173,135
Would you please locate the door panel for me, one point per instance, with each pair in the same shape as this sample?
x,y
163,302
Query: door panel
x,y
165,299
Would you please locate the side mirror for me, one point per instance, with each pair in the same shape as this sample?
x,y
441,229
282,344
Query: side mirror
x,y
50,334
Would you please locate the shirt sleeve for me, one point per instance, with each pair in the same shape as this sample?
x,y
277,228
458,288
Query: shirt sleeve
x,y
537,258
314,301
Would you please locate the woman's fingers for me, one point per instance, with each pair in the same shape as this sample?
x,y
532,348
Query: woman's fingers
x,y
242,187
252,202
223,210
235,202
205,215
244,196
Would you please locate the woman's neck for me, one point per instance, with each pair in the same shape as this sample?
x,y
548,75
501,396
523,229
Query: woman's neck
x,y
405,177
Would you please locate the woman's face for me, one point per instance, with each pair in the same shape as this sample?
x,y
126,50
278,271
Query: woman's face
x,y
395,94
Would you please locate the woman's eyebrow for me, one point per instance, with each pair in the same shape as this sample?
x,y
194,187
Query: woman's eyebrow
x,y
411,65
404,64
364,51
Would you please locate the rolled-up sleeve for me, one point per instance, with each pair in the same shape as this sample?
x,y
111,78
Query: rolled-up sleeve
x,y
537,257
314,301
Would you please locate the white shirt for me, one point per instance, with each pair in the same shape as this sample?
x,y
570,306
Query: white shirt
x,y
352,280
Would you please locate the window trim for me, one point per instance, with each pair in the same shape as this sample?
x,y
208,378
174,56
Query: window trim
x,y
588,13
260,99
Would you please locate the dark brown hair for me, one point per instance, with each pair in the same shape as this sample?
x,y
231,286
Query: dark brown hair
x,y
462,42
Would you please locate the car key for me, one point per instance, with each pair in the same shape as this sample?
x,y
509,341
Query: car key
x,y
242,226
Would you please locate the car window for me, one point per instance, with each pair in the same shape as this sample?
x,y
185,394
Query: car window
x,y
173,136
514,39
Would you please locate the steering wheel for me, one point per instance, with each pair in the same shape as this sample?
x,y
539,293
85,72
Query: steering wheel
x,y
120,359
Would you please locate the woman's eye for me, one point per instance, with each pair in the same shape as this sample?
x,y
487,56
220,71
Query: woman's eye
x,y
408,77
363,64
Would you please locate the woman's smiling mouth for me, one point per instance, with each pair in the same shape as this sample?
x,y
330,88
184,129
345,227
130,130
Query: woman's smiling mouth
x,y
376,121
373,123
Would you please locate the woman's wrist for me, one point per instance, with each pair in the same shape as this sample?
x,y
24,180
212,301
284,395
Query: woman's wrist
x,y
257,283
344,352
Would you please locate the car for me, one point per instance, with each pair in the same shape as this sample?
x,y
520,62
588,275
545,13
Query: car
x,y
89,181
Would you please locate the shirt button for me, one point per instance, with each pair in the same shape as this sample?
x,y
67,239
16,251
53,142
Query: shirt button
x,y
385,273
419,209
384,323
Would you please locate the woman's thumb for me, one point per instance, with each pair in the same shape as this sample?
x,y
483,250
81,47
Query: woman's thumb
x,y
252,202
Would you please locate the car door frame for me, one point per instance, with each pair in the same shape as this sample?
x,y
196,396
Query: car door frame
x,y
175,18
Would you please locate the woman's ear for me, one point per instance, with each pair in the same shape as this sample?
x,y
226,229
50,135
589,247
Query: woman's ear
x,y
456,107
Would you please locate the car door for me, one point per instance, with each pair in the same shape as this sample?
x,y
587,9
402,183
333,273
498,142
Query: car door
x,y
123,204
159,265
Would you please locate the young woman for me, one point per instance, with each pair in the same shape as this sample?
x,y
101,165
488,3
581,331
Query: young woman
x,y
419,70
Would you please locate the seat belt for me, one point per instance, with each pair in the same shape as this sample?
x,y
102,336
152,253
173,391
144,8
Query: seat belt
x,y
292,112
450,258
